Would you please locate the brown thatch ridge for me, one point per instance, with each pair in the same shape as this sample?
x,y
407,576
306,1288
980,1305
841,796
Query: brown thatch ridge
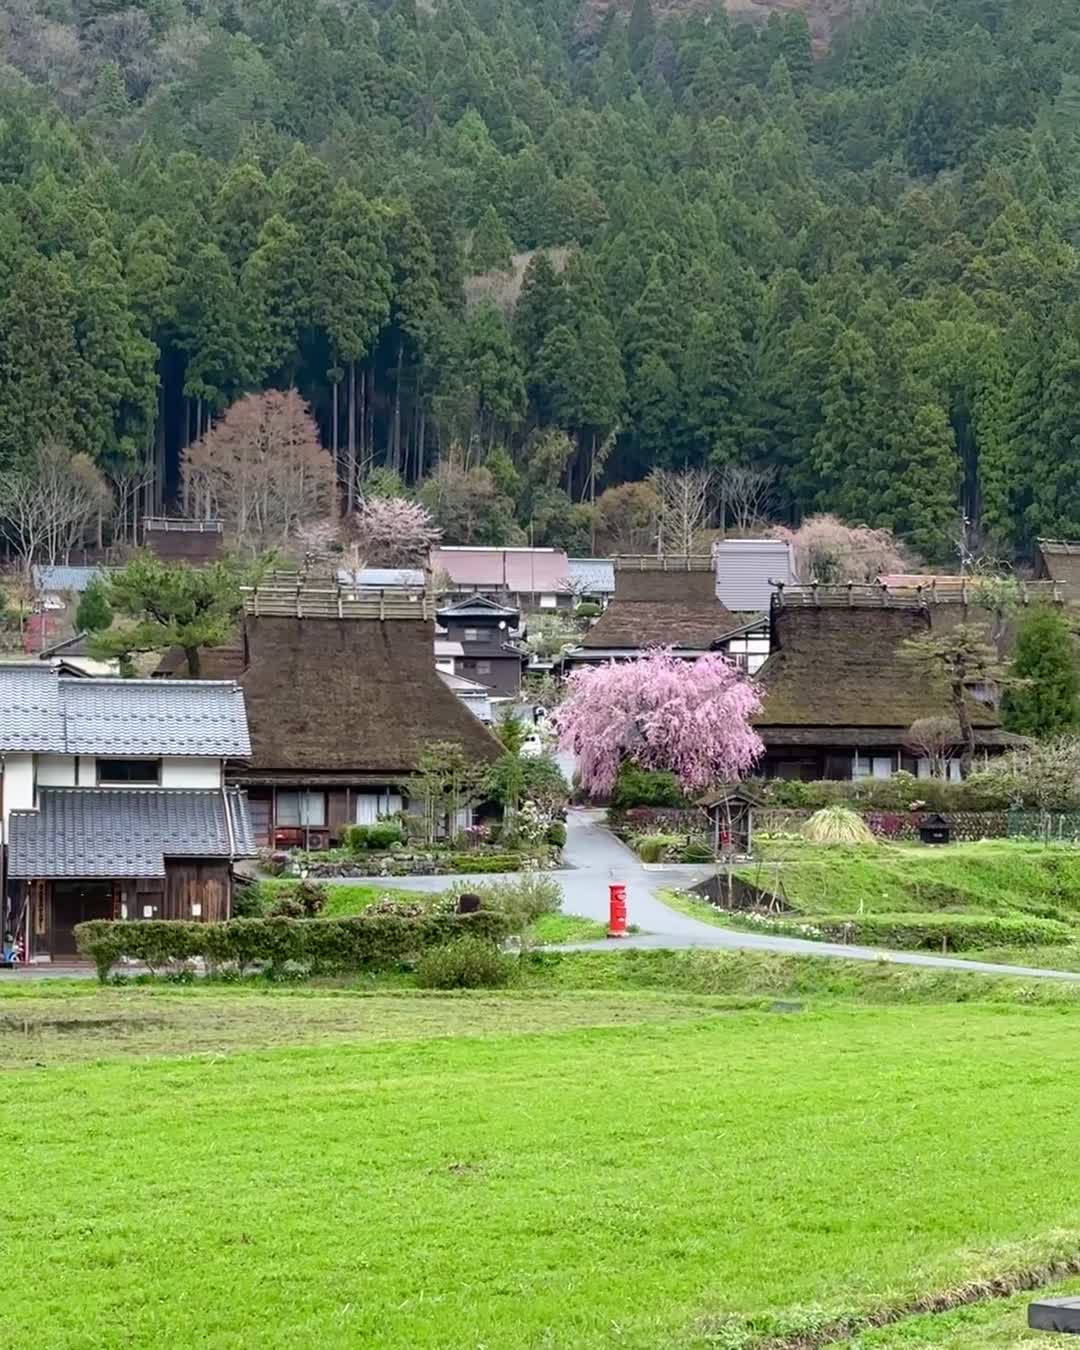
x,y
1059,560
840,669
676,608
354,696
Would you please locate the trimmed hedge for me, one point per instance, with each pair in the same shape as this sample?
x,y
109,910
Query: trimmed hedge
x,y
951,932
360,942
486,862
882,794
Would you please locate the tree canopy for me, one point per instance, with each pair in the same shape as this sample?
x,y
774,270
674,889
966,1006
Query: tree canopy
x,y
452,227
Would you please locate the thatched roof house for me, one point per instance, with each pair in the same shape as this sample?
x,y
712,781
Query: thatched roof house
x,y
342,697
840,697
668,602
1058,560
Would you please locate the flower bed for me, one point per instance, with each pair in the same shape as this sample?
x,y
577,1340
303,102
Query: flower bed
x,y
434,864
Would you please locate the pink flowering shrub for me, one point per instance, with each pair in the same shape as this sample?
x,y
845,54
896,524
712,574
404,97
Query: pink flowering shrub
x,y
394,532
660,712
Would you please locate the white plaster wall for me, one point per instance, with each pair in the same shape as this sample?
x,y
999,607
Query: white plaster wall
x,y
87,776
18,773
56,771
190,773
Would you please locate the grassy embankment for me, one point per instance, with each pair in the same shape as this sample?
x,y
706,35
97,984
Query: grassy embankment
x,y
639,1149
1001,901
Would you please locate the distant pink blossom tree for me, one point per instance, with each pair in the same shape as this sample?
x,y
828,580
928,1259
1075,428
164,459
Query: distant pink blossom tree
x,y
691,718
395,532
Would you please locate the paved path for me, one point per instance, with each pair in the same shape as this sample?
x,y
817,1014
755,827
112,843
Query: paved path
x,y
595,857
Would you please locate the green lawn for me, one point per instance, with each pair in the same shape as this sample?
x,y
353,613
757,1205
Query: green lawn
x,y
994,877
531,1169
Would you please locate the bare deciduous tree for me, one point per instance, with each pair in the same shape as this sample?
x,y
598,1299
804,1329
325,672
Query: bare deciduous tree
x,y
130,479
48,503
745,492
937,740
262,470
685,508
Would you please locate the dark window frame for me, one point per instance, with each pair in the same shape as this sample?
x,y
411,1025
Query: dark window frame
x,y
128,779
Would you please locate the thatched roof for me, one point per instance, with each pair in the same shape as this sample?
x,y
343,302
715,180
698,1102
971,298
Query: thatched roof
x,y
1059,560
349,696
837,671
655,606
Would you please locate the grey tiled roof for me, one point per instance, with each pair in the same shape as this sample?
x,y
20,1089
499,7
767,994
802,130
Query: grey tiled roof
x,y
75,579
50,713
125,832
597,575
30,715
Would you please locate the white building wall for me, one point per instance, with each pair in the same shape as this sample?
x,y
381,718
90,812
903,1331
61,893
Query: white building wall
x,y
190,773
56,771
87,775
18,772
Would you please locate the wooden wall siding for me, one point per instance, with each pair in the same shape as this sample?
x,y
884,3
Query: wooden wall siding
x,y
206,885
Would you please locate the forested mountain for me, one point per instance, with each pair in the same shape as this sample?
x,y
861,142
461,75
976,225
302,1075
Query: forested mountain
x,y
862,270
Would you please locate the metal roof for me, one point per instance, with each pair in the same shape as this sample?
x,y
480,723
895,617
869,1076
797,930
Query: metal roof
x,y
596,575
125,832
746,569
519,570
65,578
47,713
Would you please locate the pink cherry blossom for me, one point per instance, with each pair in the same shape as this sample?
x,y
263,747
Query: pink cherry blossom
x,y
661,712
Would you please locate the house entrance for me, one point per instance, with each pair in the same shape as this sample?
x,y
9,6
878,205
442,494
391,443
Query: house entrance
x,y
75,902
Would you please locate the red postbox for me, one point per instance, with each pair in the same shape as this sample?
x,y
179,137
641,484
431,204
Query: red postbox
x,y
617,909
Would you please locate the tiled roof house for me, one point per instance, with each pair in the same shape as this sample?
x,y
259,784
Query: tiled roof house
x,y
114,801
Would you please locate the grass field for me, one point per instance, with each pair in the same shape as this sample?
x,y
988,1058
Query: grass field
x,y
822,886
640,1167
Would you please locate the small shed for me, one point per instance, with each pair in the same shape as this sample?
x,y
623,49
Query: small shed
x,y
730,809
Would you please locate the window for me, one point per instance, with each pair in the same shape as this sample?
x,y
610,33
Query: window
x,y
121,771
299,809
873,766
373,806
472,634
483,667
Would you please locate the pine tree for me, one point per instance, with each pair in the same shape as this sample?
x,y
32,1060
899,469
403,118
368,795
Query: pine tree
x,y
94,613
492,246
1044,698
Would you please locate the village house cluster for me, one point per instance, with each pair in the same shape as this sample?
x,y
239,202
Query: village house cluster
x,y
136,798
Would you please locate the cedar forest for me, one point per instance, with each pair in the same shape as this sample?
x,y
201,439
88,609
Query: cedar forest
x,y
858,270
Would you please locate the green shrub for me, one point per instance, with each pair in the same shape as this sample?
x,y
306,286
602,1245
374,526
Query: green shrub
x,y
360,942
521,901
300,899
948,932
485,862
382,835
652,847
248,901
646,787
981,792
469,963
696,852
588,609
556,834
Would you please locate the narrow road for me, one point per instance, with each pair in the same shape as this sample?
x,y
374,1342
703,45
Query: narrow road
x,y
594,858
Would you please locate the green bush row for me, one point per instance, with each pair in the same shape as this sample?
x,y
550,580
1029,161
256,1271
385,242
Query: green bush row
x,y
485,862
883,794
360,838
360,942
949,932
